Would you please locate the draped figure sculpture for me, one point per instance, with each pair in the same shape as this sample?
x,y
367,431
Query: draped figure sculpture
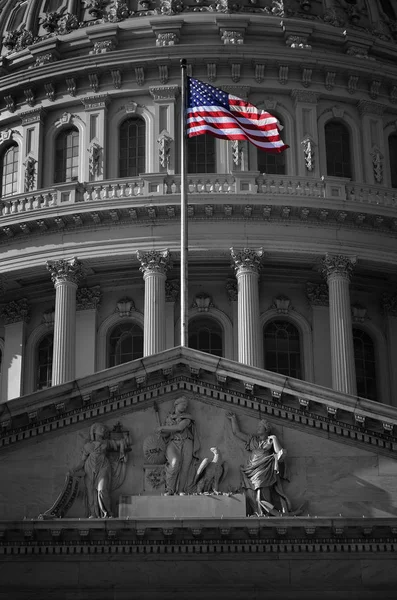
x,y
264,471
182,445
102,475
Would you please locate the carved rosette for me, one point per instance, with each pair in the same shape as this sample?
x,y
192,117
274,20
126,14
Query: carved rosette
x,y
16,311
231,289
337,265
65,270
154,262
171,291
88,298
389,304
317,294
246,260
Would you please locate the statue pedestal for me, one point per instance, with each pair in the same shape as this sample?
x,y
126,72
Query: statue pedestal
x,y
182,506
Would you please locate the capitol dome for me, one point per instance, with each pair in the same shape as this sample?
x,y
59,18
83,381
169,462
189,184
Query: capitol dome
x,y
292,257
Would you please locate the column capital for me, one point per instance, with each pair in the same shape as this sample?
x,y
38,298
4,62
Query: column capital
x,y
171,291
317,294
389,303
88,298
154,261
16,311
246,260
65,270
338,265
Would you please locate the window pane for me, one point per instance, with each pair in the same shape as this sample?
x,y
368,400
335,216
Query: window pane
x,y
9,171
201,154
132,147
337,145
67,156
364,358
272,164
206,335
282,349
125,343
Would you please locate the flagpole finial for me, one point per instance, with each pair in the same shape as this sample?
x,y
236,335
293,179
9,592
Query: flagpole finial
x,y
183,63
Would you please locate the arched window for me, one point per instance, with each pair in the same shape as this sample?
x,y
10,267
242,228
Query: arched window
x,y
337,146
364,358
271,164
67,156
132,147
9,171
201,154
206,335
282,349
125,343
393,159
44,362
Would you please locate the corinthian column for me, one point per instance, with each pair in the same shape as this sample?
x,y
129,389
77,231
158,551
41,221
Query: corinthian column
x,y
65,275
337,271
250,345
154,266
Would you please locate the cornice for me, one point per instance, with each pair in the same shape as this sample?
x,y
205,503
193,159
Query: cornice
x,y
293,403
302,536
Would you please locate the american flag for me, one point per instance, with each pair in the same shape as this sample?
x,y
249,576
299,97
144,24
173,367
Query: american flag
x,y
211,110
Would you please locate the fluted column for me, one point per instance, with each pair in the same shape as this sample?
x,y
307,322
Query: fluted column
x,y
250,345
154,266
337,270
65,275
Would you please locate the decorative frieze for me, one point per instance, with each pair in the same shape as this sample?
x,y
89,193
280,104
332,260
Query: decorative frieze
x,y
65,270
154,261
95,102
308,151
231,290
16,311
103,46
88,298
164,142
298,41
247,260
168,38
232,37
377,163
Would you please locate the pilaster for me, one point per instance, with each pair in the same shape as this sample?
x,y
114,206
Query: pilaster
x,y
165,130
318,298
247,264
373,146
16,315
87,303
96,134
231,289
31,159
389,303
65,275
306,103
337,270
171,297
154,266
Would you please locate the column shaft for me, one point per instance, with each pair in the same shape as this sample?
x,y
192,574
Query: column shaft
x,y
63,365
250,351
154,315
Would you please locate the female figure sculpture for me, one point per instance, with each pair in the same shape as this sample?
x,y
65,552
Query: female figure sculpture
x,y
101,474
182,447
262,475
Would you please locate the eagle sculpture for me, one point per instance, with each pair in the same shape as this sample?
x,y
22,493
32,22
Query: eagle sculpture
x,y
210,473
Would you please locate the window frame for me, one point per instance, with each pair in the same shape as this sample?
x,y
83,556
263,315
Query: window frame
x,y
208,318
141,120
279,319
11,145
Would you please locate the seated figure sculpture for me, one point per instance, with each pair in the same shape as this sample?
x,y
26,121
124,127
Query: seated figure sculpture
x,y
102,475
182,445
263,473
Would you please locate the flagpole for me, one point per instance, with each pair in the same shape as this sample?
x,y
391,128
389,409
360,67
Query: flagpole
x,y
184,229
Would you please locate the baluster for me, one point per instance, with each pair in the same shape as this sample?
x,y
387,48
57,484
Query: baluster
x,y
281,187
113,193
6,208
225,186
105,192
22,202
174,188
14,208
208,187
217,187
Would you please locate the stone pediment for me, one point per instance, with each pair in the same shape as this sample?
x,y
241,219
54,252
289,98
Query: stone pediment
x,y
135,386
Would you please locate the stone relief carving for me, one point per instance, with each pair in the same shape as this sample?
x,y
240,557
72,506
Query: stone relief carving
x,y
164,142
264,472
181,448
377,164
282,304
317,294
202,302
18,39
389,303
94,160
16,311
88,298
171,291
103,471
308,151
30,173
125,306
210,473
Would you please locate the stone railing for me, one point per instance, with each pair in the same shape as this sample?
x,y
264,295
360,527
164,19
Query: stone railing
x,y
235,184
